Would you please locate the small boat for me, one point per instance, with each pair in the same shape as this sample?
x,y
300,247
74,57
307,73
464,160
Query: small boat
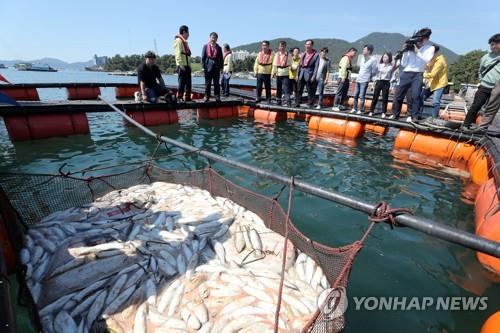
x,y
94,69
2,66
123,73
26,66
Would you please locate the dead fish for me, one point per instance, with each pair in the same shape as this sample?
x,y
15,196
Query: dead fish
x,y
24,256
55,306
190,319
220,251
166,268
140,320
116,288
118,302
96,308
181,264
63,323
83,306
150,292
176,300
255,241
239,240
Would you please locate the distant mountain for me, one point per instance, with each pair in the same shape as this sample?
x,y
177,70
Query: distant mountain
x,y
382,41
52,62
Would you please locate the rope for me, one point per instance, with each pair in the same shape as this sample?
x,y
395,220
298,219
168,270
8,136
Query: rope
x,y
283,263
384,213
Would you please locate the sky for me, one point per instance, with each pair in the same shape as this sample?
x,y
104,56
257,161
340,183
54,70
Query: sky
x,y
76,30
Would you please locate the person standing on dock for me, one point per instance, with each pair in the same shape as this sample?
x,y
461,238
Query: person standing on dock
x,y
281,71
382,83
213,63
416,53
309,63
262,69
151,83
322,75
489,75
183,62
345,68
294,71
367,70
436,79
228,69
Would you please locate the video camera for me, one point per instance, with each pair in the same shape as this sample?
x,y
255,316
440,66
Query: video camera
x,y
410,43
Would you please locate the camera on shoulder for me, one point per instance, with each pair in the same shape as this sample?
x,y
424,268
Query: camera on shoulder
x,y
409,44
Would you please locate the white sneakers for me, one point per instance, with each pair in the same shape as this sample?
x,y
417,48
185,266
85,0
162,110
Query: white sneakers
x,y
359,112
391,116
318,107
352,111
336,108
370,114
383,115
137,96
408,120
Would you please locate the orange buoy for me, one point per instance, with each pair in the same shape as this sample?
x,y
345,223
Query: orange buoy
x,y
377,129
341,127
269,116
478,166
46,125
490,229
451,115
404,139
125,91
492,324
244,110
486,200
21,94
217,113
83,93
153,117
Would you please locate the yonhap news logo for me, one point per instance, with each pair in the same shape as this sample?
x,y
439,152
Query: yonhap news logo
x,y
334,302
398,303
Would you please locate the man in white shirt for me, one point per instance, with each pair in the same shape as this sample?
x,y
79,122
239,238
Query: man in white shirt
x,y
411,74
367,70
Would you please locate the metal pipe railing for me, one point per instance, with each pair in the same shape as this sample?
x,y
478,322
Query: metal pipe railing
x,y
426,226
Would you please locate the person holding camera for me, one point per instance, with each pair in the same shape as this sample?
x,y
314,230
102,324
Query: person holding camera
x,y
416,53
489,75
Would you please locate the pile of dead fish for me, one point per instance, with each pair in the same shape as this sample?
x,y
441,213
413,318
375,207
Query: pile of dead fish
x,y
166,258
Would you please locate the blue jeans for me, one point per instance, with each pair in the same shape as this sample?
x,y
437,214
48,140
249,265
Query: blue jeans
x,y
360,93
155,91
225,83
320,88
408,81
436,100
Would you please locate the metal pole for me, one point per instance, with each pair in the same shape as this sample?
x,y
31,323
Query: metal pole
x,y
426,226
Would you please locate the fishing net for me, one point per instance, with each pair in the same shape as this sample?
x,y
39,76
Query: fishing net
x,y
26,198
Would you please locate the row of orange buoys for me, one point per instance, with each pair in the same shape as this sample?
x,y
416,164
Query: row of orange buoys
x,y
46,125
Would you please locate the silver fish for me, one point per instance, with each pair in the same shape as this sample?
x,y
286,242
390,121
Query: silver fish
x,y
63,323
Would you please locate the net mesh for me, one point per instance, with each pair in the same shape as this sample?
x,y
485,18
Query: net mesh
x,y
26,198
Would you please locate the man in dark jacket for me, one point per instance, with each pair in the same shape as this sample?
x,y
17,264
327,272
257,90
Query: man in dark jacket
x,y
212,60
309,63
151,83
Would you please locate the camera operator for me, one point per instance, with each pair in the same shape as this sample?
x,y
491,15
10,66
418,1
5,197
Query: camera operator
x,y
416,53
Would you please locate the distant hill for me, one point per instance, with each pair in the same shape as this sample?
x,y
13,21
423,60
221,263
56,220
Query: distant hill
x,y
52,62
382,41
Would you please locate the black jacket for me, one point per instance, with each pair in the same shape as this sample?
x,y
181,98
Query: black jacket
x,y
214,64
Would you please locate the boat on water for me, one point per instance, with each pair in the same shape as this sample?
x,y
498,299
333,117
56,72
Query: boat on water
x,y
26,66
94,69
2,66
126,73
